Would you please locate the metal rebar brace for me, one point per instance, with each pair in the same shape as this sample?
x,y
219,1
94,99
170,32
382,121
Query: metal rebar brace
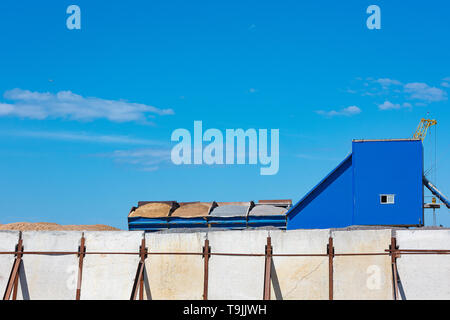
x,y
13,281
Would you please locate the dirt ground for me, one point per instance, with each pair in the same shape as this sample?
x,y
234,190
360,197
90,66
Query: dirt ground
x,y
48,226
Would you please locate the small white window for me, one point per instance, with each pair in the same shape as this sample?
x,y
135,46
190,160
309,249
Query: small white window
x,y
387,198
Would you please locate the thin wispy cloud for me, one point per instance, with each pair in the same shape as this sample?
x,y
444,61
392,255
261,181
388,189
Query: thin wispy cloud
x,y
386,82
142,159
349,111
67,105
80,137
387,105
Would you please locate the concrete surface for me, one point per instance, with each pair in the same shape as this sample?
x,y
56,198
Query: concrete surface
x,y
110,276
237,277
424,276
300,278
174,277
362,277
8,241
49,277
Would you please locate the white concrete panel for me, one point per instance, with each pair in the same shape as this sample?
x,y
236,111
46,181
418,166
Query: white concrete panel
x,y
237,277
424,276
8,242
49,277
110,276
174,277
362,277
300,278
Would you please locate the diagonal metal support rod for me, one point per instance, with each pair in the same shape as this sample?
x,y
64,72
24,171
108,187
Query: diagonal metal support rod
x,y
268,267
206,256
330,252
81,254
139,278
393,248
13,281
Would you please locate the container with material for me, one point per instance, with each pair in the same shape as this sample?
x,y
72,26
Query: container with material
x,y
150,216
230,215
263,215
190,215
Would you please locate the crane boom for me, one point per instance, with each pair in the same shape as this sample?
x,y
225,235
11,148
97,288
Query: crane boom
x,y
422,128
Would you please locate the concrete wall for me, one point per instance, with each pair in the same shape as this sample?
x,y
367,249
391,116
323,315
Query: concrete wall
x,y
8,241
111,276
424,276
237,277
38,271
300,278
362,277
174,276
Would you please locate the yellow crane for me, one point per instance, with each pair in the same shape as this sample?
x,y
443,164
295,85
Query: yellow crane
x,y
422,128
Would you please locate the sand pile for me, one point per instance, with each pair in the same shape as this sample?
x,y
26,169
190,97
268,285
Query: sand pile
x,y
44,226
152,210
196,209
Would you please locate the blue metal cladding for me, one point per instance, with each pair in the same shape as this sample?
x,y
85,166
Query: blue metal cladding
x,y
393,167
278,221
351,193
148,224
179,222
238,222
328,204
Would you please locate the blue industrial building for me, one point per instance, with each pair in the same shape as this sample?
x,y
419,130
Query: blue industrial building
x,y
379,183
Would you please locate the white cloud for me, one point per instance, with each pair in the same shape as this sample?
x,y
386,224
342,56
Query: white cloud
x,y
395,89
385,82
68,105
422,91
81,137
387,105
349,111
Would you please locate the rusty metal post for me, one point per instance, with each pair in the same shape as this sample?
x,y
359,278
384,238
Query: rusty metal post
x,y
137,280
81,254
394,255
268,267
330,252
143,254
206,256
138,283
13,281
19,256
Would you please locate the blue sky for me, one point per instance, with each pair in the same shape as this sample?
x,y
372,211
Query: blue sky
x,y
86,115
